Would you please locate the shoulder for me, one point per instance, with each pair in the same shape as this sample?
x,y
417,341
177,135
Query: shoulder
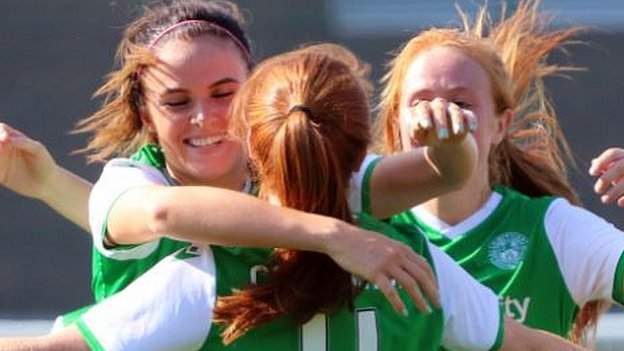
x,y
560,210
359,185
123,173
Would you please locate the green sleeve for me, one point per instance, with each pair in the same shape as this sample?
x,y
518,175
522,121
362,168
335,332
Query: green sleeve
x,y
368,173
88,337
618,282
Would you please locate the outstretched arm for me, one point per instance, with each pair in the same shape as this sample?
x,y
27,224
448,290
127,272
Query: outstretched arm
x,y
440,157
27,168
229,218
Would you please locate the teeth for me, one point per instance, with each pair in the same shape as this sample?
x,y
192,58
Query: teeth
x,y
205,141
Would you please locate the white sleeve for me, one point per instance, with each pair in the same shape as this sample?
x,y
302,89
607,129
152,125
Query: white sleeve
x,y
472,313
357,185
167,308
587,249
118,176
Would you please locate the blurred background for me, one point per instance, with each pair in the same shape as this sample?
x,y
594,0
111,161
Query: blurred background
x,y
55,54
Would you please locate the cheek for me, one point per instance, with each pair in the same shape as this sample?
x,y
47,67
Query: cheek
x,y
222,109
402,126
169,132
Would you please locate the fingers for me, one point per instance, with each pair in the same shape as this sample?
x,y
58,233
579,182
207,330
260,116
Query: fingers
x,y
412,273
387,288
422,125
614,193
439,121
407,282
423,277
609,168
609,176
7,131
602,162
15,138
458,122
439,107
26,144
470,119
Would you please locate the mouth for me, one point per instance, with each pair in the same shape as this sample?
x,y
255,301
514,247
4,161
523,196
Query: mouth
x,y
205,141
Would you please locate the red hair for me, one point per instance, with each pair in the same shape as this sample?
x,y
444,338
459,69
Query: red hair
x,y
531,158
305,115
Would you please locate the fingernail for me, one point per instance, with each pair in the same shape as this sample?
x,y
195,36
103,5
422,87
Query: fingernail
x,y
472,124
458,128
443,133
425,123
405,313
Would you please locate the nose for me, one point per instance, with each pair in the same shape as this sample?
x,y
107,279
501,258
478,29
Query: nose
x,y
199,115
207,112
197,119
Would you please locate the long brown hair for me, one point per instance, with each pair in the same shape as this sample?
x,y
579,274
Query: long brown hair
x,y
117,128
533,154
305,116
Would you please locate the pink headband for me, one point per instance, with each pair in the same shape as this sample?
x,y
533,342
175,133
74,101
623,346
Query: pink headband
x,y
208,23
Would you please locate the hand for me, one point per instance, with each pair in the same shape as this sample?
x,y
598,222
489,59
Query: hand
x,y
437,122
26,166
386,263
609,168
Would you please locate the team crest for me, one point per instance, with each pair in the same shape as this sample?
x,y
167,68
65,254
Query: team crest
x,y
507,250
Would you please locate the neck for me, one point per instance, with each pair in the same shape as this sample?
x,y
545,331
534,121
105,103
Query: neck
x,y
234,180
454,207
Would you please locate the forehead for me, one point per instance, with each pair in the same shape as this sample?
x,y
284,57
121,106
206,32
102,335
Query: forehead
x,y
199,61
445,68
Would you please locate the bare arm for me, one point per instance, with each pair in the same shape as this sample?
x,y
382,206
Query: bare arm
x,y
27,168
440,156
404,180
229,218
521,338
68,194
68,339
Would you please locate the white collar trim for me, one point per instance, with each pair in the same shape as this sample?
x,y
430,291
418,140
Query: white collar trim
x,y
455,231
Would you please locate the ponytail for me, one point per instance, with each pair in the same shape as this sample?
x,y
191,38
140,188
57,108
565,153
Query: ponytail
x,y
306,118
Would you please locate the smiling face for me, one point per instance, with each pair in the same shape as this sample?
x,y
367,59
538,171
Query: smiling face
x,y
449,73
188,95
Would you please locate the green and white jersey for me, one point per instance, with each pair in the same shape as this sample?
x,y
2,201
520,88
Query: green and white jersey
x,y
113,268
176,314
543,256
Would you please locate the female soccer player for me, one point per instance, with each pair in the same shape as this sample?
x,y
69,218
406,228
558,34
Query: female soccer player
x,y
515,225
306,113
166,106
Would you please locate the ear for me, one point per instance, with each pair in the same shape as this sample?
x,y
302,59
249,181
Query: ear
x,y
146,120
502,125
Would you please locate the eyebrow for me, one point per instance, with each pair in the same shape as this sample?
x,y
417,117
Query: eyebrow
x,y
215,84
224,81
454,90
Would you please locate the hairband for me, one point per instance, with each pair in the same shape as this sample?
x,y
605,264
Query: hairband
x,y
199,21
